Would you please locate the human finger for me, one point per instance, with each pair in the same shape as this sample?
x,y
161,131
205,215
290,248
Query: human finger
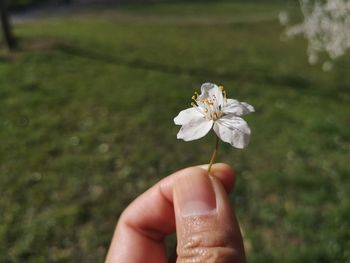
x,y
150,218
207,229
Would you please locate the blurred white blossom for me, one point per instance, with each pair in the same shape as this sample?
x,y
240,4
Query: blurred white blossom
x,y
283,17
326,26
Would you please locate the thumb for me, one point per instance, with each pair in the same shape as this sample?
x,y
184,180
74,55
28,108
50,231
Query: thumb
x,y
207,229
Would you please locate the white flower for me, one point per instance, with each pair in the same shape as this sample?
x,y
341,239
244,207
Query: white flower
x,y
212,109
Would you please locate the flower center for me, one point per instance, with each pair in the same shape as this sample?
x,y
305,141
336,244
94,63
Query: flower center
x,y
210,107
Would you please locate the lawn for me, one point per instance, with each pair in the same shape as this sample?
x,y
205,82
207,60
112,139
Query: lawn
x,y
86,125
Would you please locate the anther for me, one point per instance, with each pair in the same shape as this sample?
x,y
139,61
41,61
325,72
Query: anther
x,y
224,93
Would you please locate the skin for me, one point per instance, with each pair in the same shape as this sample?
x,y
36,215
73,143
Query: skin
x,y
190,202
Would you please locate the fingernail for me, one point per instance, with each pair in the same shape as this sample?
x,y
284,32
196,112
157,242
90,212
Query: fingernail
x,y
195,195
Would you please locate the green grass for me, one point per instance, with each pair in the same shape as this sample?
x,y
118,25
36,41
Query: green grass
x,y
86,126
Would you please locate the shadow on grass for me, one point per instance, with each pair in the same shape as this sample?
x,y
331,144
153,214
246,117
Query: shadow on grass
x,y
295,81
4,59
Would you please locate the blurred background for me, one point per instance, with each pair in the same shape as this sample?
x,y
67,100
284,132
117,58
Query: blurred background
x,y
88,93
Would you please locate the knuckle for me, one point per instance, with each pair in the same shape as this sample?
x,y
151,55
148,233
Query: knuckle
x,y
208,247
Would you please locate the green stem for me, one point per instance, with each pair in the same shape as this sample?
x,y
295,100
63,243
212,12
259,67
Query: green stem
x,y
213,156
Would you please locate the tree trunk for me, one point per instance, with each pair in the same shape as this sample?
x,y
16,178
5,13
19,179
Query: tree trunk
x,y
6,26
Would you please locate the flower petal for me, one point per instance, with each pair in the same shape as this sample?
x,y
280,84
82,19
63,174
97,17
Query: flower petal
x,y
210,90
237,108
187,115
195,129
233,130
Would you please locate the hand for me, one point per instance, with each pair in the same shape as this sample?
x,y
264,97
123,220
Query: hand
x,y
192,203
